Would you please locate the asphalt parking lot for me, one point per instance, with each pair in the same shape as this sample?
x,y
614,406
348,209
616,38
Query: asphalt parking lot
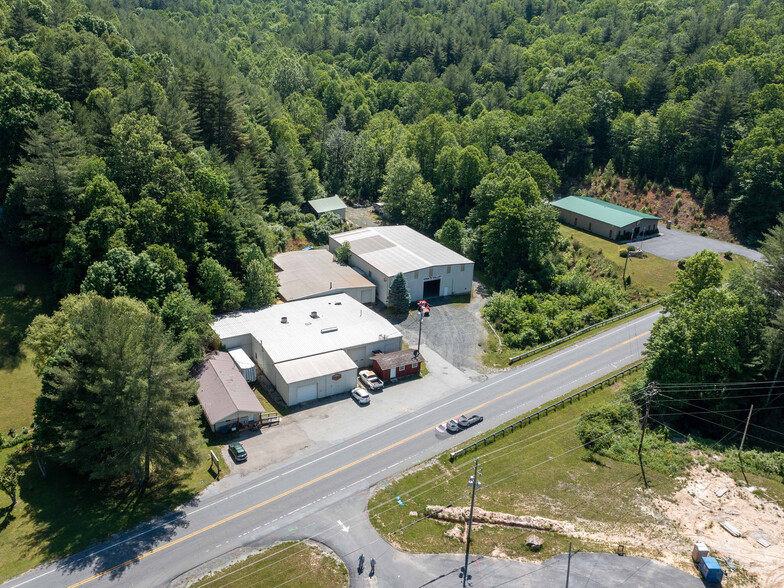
x,y
315,425
673,244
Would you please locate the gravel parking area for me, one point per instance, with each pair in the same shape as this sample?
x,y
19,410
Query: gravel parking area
x,y
454,330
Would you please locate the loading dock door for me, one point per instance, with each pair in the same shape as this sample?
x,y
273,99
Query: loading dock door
x,y
431,289
307,392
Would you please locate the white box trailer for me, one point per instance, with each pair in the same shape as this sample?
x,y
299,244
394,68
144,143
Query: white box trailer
x,y
244,363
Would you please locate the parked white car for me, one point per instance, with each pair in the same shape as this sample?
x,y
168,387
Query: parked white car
x,y
360,395
371,381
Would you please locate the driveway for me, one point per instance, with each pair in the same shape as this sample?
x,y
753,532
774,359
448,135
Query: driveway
x,y
454,330
673,244
363,216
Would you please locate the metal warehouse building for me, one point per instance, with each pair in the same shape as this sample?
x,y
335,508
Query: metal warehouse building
x,y
311,348
331,204
604,218
430,269
310,274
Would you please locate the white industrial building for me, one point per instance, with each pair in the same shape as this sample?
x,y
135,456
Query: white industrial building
x,y
313,273
312,348
430,269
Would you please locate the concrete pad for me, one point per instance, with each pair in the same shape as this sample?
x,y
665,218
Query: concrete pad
x,y
673,244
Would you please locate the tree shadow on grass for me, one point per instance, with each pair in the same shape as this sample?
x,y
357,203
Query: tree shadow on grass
x,y
103,525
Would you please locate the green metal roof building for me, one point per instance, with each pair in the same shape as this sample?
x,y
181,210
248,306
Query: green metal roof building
x,y
604,218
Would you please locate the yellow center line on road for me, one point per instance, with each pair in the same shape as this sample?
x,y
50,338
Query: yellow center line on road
x,y
342,468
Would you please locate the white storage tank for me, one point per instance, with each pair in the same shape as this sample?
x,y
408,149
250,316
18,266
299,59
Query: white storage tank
x,y
244,363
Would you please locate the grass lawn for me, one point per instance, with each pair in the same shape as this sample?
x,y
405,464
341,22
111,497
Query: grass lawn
x,y
530,471
64,513
650,274
300,564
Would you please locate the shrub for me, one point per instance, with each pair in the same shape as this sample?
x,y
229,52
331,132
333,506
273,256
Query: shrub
x,y
682,264
704,232
623,253
728,255
596,428
631,248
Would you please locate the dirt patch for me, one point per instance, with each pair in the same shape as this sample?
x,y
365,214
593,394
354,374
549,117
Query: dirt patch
x,y
697,511
688,215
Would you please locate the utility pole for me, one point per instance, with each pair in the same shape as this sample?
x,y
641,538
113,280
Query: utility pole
x,y
474,483
650,392
568,564
743,439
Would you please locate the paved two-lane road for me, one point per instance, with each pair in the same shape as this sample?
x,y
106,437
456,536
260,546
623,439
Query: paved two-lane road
x,y
156,553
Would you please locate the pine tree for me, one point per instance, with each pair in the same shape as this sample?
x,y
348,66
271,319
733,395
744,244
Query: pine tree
x,y
44,193
118,360
399,297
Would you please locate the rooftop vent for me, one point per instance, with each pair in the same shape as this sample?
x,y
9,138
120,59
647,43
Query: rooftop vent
x,y
283,319
314,314
329,330
338,303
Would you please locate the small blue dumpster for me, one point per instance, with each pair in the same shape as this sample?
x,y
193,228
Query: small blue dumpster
x,y
711,570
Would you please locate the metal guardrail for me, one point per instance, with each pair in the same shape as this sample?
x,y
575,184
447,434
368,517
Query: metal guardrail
x,y
527,420
581,331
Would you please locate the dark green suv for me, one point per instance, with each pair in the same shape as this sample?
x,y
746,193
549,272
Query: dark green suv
x,y
238,451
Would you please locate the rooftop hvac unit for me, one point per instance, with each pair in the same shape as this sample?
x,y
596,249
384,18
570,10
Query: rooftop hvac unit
x,y
283,319
314,314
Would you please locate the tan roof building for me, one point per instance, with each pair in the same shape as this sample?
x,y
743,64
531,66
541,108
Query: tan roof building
x,y
314,273
224,394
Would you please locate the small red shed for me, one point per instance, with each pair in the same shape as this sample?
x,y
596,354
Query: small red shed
x,y
397,364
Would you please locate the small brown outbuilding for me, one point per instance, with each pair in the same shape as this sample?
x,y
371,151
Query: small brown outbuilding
x,y
397,364
224,395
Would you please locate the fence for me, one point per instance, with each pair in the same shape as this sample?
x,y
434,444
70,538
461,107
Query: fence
x,y
527,420
269,418
581,331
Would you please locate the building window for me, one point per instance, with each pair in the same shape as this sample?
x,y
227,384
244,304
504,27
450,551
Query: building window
x,y
414,365
462,268
431,272
589,226
575,221
449,269
416,275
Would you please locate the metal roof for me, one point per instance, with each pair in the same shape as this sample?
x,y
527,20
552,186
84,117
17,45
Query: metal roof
x,y
397,359
241,358
607,212
223,390
396,249
326,364
342,323
310,273
331,204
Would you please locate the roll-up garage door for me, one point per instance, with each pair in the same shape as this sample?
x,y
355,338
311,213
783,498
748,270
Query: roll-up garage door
x,y
307,392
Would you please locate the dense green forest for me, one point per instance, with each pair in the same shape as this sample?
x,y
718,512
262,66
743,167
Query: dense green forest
x,y
163,150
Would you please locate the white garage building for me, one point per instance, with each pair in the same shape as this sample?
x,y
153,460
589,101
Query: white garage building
x,y
431,269
310,349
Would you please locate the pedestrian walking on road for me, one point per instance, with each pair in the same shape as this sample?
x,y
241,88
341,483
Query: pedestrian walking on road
x,y
372,566
361,562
